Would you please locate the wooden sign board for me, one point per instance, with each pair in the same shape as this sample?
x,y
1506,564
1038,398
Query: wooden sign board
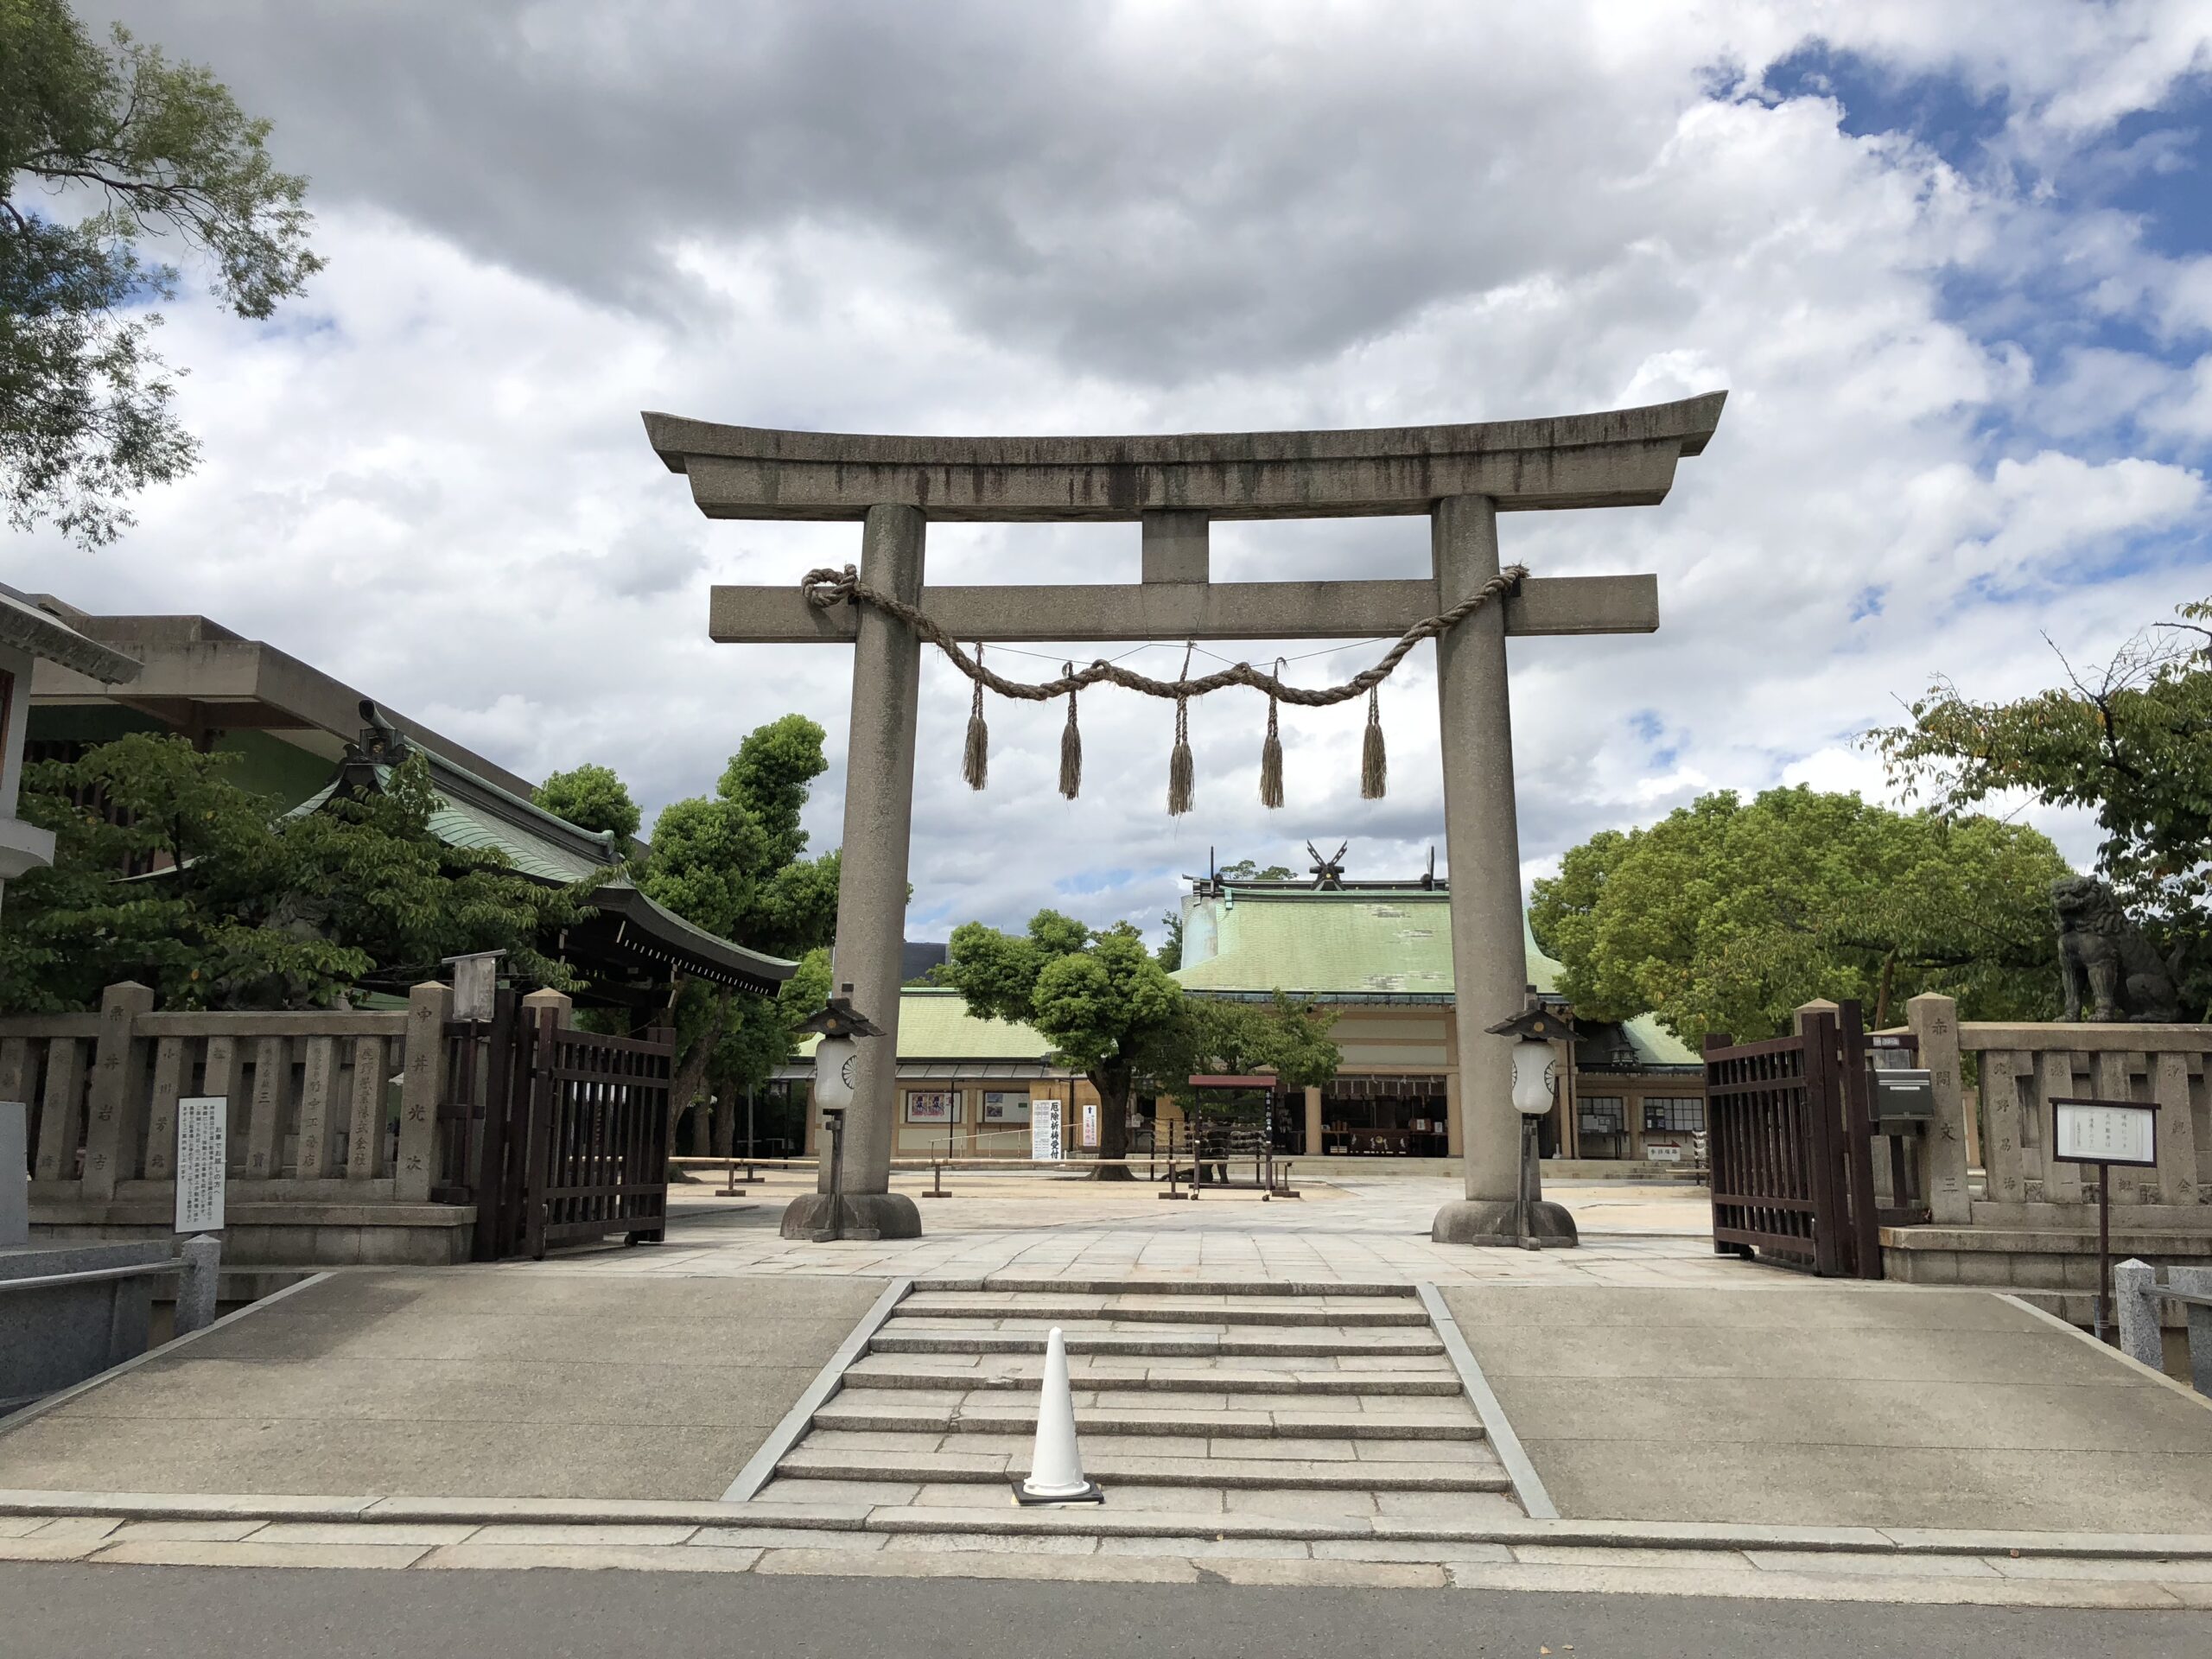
x,y
1045,1131
2105,1132
202,1162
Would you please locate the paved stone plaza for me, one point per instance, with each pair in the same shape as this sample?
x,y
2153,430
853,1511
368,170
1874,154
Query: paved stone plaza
x,y
1349,1230
1294,1392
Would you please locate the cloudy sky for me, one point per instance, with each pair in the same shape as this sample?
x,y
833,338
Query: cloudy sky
x,y
1953,263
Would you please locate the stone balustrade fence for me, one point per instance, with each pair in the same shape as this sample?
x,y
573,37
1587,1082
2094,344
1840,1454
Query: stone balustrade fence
x,y
328,1109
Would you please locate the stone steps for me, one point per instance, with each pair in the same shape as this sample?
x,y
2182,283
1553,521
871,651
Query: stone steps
x,y
994,1470
900,1335
1287,1416
1015,1311
1012,1373
1198,1406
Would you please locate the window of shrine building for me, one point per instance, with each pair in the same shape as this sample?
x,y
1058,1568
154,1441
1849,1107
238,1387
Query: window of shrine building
x,y
1676,1114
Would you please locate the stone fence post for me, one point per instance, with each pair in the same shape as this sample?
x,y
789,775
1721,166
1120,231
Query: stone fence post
x,y
2135,1296
1943,1148
421,1084
113,1123
197,1285
15,1174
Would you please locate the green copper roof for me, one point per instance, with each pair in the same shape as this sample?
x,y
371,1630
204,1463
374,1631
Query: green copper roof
x,y
1362,944
934,1024
474,813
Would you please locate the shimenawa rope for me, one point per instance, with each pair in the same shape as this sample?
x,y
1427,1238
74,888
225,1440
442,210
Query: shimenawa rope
x,y
828,586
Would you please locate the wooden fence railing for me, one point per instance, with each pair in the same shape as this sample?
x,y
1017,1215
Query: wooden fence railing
x,y
335,1105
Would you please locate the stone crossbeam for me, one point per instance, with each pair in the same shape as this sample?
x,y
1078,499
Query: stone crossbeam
x,y
1619,458
1192,610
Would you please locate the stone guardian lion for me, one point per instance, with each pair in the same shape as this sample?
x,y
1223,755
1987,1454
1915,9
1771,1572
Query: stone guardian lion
x,y
2104,960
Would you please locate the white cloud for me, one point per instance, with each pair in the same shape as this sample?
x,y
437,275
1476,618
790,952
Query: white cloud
x,y
430,479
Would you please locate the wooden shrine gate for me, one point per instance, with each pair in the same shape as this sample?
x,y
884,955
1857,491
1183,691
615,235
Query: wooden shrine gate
x,y
555,1135
1790,1143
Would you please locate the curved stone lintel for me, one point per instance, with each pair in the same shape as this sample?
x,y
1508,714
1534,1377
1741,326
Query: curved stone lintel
x,y
1617,458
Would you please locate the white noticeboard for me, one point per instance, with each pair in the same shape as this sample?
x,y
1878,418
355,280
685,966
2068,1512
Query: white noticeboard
x,y
2106,1132
1090,1124
1660,1153
202,1157
1045,1131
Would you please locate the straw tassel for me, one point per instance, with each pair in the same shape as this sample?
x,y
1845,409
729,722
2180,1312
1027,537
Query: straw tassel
x,y
1070,746
1374,763
976,765
1180,771
1271,754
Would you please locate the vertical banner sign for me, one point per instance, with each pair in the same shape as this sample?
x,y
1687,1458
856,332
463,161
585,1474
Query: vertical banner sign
x,y
1045,1131
203,1154
1090,1124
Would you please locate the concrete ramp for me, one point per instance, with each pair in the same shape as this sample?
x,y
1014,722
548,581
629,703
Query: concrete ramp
x,y
509,1382
1812,1403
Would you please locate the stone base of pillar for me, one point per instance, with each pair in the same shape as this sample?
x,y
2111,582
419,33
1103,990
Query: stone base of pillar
x,y
1492,1221
867,1215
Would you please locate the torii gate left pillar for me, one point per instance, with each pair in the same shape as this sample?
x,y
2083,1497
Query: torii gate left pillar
x,y
1462,477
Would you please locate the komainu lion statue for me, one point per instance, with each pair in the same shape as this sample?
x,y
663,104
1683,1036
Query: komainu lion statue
x,y
2105,960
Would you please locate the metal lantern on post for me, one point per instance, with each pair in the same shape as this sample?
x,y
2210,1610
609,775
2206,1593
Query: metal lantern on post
x,y
836,1070
1536,1091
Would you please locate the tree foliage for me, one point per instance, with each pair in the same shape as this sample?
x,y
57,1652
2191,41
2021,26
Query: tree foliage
x,y
245,909
2131,741
1727,916
591,798
1287,1037
732,862
1100,998
125,147
1110,1011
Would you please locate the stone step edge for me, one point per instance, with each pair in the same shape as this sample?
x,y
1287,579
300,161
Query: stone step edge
x,y
1611,1535
1257,1319
1095,1419
891,1341
880,1467
1283,1287
1260,1385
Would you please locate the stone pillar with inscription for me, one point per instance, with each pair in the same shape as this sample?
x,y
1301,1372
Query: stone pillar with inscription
x,y
1934,1020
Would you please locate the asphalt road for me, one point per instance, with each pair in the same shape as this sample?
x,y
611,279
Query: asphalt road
x,y
58,1609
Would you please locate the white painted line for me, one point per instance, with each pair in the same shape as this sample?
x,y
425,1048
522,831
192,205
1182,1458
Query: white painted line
x,y
16,1419
755,1474
1528,1486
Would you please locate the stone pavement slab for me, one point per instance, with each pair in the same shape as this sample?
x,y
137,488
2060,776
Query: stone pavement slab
x,y
1823,1404
518,1381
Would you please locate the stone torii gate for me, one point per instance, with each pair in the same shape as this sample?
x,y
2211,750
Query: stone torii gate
x,y
1461,476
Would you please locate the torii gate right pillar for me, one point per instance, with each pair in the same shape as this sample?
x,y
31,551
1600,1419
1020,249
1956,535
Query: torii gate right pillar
x,y
1482,840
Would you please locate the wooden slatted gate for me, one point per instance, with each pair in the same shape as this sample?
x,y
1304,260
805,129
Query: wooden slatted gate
x,y
1789,1145
556,1134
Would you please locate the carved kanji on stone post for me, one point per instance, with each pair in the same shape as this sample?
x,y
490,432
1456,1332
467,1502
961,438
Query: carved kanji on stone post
x,y
1461,477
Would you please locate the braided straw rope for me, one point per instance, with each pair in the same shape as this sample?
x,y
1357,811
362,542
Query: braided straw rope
x,y
828,586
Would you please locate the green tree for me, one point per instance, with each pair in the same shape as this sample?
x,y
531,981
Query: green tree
x,y
1725,916
731,862
129,147
1247,869
2131,741
591,798
1100,998
759,1037
240,908
1287,1037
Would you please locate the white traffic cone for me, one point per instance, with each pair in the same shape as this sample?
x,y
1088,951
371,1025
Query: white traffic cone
x,y
1056,1466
